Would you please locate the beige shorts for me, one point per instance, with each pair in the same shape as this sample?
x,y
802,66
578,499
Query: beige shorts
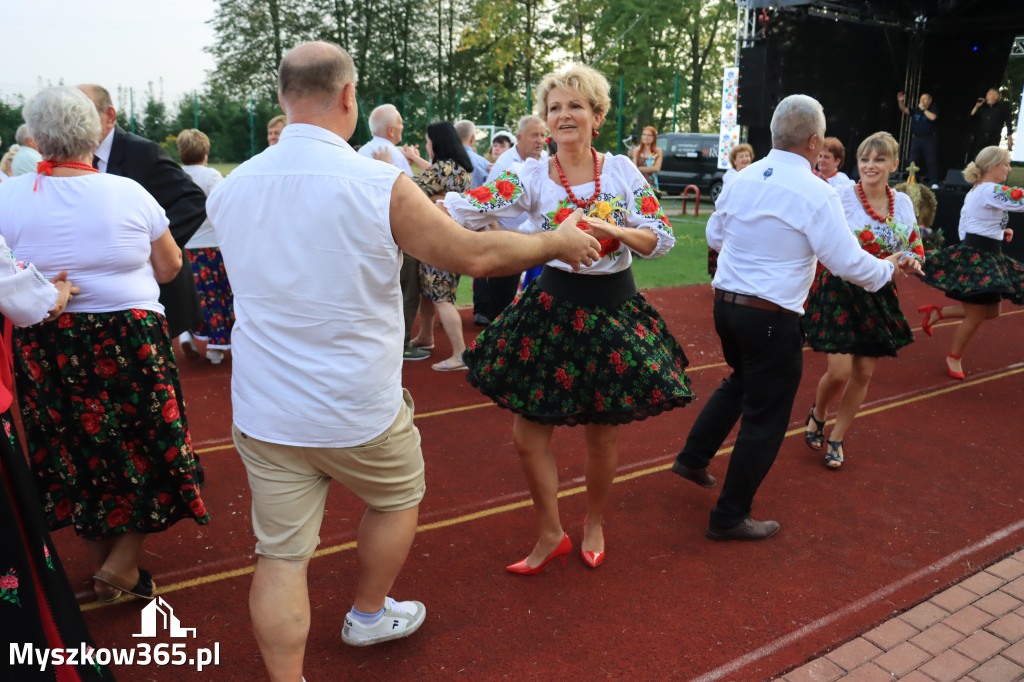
x,y
289,483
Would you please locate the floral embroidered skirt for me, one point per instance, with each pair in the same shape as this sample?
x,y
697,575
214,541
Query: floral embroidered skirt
x,y
556,360
105,424
215,296
438,285
841,317
976,271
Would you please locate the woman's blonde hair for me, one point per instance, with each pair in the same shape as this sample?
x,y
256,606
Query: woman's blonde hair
x,y
193,146
987,157
880,142
580,79
735,151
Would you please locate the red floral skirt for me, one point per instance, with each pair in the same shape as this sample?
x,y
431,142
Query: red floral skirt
x,y
217,301
105,424
559,362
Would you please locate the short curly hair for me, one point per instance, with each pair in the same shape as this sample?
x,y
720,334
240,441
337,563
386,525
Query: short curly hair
x,y
735,151
580,79
193,146
64,122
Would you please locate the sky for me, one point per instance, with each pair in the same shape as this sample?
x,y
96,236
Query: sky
x,y
126,43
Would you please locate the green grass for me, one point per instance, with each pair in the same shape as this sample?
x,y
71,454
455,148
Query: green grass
x,y
686,263
224,168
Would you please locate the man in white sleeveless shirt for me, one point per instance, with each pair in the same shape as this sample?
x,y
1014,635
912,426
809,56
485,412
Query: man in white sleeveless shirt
x,y
312,235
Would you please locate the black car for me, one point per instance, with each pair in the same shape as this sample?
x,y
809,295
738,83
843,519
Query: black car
x,y
690,159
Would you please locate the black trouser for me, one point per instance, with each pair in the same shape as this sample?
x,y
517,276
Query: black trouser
x,y
409,280
982,140
491,295
763,349
926,147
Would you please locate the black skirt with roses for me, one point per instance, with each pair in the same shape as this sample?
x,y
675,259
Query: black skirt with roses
x,y
976,271
580,349
105,423
841,317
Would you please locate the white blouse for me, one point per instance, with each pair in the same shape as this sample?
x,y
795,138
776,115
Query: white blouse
x,y
26,297
882,239
206,178
99,227
985,210
840,179
626,200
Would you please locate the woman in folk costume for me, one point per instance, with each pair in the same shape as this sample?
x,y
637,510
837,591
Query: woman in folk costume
x,y
577,348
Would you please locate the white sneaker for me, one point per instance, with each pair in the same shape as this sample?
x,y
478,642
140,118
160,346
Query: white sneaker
x,y
214,356
400,619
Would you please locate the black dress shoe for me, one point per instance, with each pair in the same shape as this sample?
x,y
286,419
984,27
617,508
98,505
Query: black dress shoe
x,y
748,530
699,476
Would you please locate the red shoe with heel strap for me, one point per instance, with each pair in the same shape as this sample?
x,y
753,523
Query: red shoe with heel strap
x,y
955,375
562,550
926,323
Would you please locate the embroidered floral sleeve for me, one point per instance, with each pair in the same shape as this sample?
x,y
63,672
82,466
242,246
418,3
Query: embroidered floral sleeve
x,y
644,212
500,198
1008,198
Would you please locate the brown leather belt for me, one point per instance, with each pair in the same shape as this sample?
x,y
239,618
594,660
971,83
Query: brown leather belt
x,y
748,301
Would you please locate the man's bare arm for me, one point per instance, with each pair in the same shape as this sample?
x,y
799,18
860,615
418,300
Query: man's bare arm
x,y
424,231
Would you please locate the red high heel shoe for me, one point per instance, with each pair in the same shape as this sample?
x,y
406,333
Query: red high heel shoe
x,y
926,324
955,375
592,559
523,568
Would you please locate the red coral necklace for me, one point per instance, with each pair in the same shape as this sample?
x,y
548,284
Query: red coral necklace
x,y
565,183
867,205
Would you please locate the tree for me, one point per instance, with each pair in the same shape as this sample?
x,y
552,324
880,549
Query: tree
x,y
251,38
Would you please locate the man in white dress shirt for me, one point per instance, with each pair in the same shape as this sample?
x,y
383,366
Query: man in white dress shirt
x,y
316,388
492,294
466,131
28,156
771,224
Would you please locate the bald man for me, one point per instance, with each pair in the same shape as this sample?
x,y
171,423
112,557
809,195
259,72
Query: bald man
x,y
312,234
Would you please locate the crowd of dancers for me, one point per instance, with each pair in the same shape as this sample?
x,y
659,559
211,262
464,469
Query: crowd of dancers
x,y
97,381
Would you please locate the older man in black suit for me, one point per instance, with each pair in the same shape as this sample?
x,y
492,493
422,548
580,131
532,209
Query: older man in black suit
x,y
128,155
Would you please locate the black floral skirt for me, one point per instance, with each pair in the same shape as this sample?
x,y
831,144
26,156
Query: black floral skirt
x,y
976,271
841,317
105,423
559,356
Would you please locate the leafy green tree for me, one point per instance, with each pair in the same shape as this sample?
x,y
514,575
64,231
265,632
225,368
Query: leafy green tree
x,y
10,119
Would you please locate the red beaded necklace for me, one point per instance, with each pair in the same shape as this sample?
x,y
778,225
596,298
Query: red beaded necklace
x,y
565,183
867,205
46,166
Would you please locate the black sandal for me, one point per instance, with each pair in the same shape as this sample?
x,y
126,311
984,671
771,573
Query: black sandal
x,y
144,588
815,439
834,457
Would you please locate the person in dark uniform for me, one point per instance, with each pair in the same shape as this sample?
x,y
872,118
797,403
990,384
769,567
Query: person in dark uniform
x,y
924,134
989,115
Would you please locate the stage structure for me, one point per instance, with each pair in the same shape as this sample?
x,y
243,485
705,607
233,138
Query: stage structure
x,y
854,56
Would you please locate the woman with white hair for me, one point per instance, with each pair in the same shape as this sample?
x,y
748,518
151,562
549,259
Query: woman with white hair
x,y
975,272
576,348
98,386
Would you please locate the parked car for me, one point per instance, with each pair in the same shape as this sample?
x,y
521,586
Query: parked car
x,y
690,159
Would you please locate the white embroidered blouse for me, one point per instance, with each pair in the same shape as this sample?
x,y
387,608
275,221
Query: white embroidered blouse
x,y
626,200
985,210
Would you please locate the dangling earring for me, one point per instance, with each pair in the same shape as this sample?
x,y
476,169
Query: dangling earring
x,y
594,133
547,140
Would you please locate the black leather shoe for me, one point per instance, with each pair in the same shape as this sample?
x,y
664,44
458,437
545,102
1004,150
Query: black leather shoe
x,y
699,476
748,530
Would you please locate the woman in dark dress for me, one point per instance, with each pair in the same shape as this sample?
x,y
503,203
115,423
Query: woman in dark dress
x,y
576,348
38,608
98,387
852,325
975,272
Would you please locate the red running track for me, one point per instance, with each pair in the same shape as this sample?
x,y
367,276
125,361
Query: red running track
x,y
931,490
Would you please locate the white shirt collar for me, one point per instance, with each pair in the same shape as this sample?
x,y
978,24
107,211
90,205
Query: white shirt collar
x,y
103,151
